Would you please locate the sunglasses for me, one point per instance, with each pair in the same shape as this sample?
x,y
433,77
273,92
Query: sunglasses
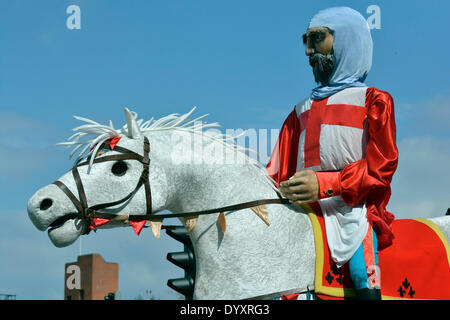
x,y
316,36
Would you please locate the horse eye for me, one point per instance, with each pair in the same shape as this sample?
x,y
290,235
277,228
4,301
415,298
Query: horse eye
x,y
119,168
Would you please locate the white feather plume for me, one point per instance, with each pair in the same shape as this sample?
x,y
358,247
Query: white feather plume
x,y
91,135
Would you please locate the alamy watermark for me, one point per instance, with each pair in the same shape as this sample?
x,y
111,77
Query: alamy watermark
x,y
73,280
193,149
374,20
212,146
73,21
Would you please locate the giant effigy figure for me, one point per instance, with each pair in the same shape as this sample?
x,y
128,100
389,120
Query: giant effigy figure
x,y
337,147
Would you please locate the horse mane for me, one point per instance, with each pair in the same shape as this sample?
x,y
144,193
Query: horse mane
x,y
90,136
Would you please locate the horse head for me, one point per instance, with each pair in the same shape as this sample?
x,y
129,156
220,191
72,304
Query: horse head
x,y
112,172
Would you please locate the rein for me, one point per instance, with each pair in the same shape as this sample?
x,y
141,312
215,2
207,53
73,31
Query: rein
x,y
154,217
86,213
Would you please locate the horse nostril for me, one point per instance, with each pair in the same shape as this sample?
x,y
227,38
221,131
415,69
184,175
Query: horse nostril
x,y
45,204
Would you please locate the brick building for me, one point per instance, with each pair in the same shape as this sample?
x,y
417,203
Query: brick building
x,y
90,278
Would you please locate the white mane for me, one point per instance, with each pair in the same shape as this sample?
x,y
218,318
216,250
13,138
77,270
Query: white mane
x,y
92,135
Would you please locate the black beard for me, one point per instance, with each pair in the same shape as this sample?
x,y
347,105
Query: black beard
x,y
323,66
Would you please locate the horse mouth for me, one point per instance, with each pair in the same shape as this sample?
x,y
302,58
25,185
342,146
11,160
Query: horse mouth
x,y
61,220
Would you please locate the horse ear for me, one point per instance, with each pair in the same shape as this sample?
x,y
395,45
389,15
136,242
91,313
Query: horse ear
x,y
133,129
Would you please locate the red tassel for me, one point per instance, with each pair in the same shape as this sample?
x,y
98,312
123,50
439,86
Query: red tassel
x,y
97,222
113,141
138,226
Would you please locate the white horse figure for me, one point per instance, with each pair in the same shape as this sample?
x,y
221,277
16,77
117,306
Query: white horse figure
x,y
191,169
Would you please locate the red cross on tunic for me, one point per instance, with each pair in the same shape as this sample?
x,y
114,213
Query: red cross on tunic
x,y
332,114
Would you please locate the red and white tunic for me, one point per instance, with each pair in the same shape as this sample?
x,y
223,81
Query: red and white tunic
x,y
348,139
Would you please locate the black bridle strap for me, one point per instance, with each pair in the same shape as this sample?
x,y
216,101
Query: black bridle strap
x,y
240,206
86,212
71,196
114,203
114,157
145,177
80,188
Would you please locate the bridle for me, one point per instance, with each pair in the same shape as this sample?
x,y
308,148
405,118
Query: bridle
x,y
86,213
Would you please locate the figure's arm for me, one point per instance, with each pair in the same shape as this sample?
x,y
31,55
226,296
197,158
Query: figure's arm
x,y
283,161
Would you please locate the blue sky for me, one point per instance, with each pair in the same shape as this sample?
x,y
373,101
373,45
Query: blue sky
x,y
240,61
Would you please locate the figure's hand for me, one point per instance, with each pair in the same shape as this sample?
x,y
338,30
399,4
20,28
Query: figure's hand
x,y
303,187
